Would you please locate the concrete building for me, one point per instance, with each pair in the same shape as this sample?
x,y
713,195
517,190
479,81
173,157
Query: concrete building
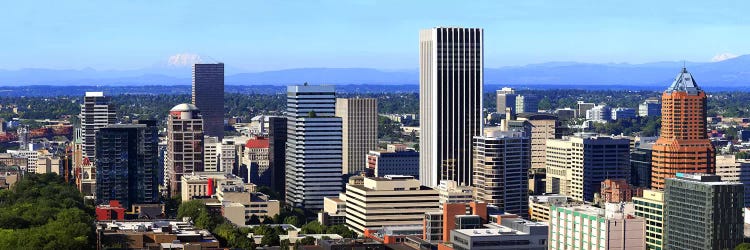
x,y
509,233
388,201
618,190
506,98
623,113
313,152
702,212
96,113
450,107
438,225
451,192
334,211
565,114
577,165
587,227
359,126
650,107
157,234
184,145
501,167
527,104
239,202
731,169
256,158
208,96
394,161
203,185
211,154
127,162
640,163
599,113
539,205
651,207
277,153
582,108
543,127
683,145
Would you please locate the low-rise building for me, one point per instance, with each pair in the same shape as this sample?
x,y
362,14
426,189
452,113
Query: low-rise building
x,y
512,232
397,160
451,192
200,185
539,205
388,201
587,227
240,202
334,211
618,190
156,234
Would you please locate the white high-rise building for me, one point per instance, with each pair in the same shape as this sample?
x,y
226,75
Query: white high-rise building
x,y
451,78
313,148
211,147
96,113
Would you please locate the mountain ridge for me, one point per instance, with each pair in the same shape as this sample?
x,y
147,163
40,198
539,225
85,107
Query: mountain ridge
x,y
732,72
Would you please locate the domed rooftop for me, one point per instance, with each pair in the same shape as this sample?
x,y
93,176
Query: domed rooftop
x,y
184,107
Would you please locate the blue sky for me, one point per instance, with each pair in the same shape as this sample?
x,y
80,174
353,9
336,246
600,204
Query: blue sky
x,y
268,35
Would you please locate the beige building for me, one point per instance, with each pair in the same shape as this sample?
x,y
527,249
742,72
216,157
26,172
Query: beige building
x,y
543,127
587,227
388,201
730,168
184,145
539,205
359,117
200,185
451,192
334,211
577,165
240,202
651,207
49,164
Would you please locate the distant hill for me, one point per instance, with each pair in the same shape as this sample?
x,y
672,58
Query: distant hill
x,y
731,73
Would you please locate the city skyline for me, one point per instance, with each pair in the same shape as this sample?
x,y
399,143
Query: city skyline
x,y
521,33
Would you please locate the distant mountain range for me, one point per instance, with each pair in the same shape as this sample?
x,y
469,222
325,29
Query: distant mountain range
x,y
730,73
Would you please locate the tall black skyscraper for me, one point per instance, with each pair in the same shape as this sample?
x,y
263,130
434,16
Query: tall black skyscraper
x,y
277,153
127,162
208,96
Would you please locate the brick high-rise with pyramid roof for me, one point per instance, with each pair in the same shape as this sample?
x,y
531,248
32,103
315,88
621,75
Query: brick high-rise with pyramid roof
x,y
683,146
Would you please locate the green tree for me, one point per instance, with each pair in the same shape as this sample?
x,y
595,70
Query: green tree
x,y
742,246
254,220
307,241
270,238
191,209
313,227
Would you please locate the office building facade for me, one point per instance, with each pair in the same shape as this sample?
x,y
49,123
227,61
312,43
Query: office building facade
x,y
184,145
587,227
702,212
650,107
623,113
527,104
651,207
640,164
450,102
208,96
506,98
359,122
313,152
388,201
683,145
277,153
96,112
393,162
127,164
576,166
502,160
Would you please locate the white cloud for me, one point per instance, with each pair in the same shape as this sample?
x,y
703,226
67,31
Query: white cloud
x,y
723,56
184,59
